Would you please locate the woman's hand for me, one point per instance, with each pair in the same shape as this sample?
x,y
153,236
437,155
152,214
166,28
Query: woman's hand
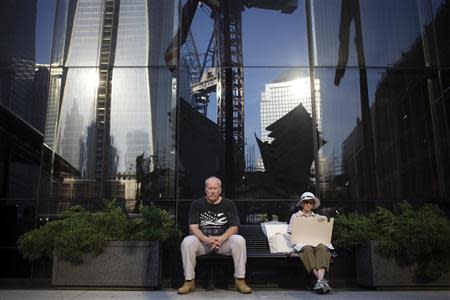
x,y
321,219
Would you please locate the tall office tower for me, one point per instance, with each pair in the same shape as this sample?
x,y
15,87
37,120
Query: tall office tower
x,y
282,96
111,95
17,55
40,96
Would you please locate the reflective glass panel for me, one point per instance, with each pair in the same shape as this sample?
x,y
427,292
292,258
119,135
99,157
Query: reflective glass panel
x,y
364,32
405,151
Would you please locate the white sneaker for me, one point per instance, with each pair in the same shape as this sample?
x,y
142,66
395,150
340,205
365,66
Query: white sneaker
x,y
326,287
319,288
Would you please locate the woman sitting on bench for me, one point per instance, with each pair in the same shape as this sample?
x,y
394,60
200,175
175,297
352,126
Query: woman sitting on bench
x,y
315,259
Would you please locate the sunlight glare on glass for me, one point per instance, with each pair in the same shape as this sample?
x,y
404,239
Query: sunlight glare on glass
x,y
91,80
300,87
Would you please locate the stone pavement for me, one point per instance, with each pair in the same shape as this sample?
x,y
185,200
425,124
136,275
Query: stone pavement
x,y
199,294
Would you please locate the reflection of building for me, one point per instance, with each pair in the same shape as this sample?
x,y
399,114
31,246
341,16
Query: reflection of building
x,y
283,95
289,156
404,152
107,103
24,163
72,145
137,143
387,119
201,150
40,96
17,58
20,143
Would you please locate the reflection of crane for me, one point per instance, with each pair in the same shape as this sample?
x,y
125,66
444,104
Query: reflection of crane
x,y
226,75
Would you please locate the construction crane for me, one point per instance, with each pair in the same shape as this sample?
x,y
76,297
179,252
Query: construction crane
x,y
226,74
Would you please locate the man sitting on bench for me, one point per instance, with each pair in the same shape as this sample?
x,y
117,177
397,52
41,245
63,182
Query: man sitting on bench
x,y
213,225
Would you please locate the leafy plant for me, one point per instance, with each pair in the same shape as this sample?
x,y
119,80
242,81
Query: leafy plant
x,y
413,236
79,231
155,224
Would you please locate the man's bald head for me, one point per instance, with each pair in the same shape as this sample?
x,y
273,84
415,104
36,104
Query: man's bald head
x,y
213,179
213,189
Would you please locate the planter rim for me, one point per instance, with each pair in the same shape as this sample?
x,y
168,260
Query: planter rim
x,y
132,243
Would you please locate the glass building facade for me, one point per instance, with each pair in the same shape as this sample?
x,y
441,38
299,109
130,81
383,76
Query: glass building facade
x,y
375,124
373,128
348,99
111,101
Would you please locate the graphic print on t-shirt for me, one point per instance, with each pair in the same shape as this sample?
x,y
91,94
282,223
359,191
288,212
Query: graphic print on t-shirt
x,y
212,223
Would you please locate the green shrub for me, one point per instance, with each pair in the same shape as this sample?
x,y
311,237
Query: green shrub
x,y
79,231
155,224
413,236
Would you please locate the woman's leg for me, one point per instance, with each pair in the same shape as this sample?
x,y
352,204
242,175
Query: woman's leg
x,y
322,257
308,258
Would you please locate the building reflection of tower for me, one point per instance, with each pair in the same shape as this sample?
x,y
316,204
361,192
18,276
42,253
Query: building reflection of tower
x,y
402,119
107,50
77,149
17,56
287,142
283,95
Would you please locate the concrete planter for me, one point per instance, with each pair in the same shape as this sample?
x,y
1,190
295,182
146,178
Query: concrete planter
x,y
373,270
123,263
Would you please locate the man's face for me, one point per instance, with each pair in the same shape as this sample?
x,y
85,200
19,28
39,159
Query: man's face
x,y
213,190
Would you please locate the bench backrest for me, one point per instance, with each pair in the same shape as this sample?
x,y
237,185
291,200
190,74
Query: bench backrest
x,y
255,238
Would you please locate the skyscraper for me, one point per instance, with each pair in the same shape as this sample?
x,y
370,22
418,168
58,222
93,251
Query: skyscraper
x,y
111,94
282,96
40,96
17,57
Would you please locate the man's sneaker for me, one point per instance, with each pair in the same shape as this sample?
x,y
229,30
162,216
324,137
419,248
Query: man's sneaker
x,y
326,287
241,286
187,287
319,287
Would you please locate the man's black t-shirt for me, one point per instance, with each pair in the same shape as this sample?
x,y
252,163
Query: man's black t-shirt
x,y
213,219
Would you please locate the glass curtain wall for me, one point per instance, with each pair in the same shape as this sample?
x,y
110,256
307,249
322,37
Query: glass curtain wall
x,y
344,98
111,103
384,111
255,53
23,87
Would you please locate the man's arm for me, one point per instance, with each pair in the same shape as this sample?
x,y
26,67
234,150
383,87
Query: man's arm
x,y
207,240
222,238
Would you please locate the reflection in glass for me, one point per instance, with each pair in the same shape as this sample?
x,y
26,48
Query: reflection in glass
x,y
76,136
274,38
228,37
131,121
86,34
379,125
340,114
114,122
403,135
388,29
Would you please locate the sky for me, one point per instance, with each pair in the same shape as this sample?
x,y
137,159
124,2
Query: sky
x,y
44,30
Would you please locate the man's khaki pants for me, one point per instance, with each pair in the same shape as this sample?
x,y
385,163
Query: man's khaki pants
x,y
315,257
191,247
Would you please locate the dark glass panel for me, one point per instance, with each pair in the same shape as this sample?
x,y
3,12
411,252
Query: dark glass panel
x,y
441,22
405,151
342,146
383,30
441,119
